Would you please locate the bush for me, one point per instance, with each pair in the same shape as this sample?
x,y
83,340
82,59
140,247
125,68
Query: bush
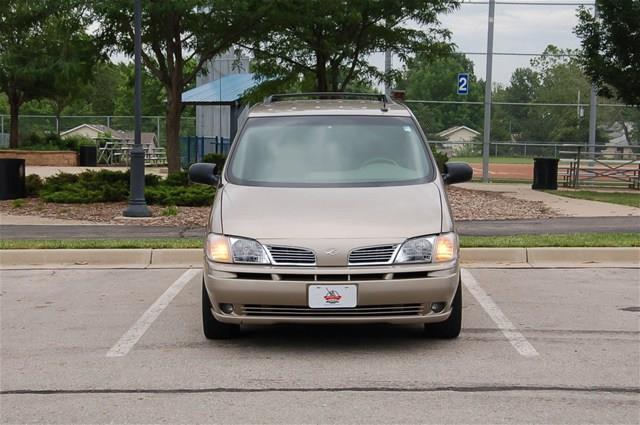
x,y
180,178
113,186
441,158
33,184
86,187
51,141
215,158
194,196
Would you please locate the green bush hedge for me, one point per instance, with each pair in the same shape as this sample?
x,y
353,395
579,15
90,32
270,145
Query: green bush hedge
x,y
215,158
113,186
441,158
51,141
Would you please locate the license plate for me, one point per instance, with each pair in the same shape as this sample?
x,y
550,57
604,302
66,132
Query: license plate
x,y
333,296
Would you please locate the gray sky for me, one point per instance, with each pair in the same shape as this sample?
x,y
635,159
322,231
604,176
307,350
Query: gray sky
x,y
518,28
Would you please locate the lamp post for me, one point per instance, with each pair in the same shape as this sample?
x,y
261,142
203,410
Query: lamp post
x,y
137,204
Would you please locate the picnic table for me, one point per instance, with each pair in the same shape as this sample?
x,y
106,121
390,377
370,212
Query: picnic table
x,y
118,152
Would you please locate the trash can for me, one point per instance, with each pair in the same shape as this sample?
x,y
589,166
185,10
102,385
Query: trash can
x,y
88,156
545,173
12,179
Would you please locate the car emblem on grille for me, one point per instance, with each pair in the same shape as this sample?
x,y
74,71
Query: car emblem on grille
x,y
331,251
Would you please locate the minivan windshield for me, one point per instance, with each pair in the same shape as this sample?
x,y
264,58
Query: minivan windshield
x,y
329,151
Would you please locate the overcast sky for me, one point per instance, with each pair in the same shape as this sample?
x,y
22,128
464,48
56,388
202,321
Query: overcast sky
x,y
518,28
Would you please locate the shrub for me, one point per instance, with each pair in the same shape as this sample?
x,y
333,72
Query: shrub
x,y
51,141
17,203
86,187
441,158
113,186
72,194
195,195
180,178
215,158
33,184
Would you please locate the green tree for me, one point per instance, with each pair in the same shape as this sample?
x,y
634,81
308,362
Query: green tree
x,y
429,78
330,41
611,48
178,38
24,64
73,56
44,53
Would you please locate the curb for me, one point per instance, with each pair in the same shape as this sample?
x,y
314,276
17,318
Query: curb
x,y
192,258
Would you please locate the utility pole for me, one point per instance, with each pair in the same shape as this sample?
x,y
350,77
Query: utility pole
x,y
137,204
487,95
593,103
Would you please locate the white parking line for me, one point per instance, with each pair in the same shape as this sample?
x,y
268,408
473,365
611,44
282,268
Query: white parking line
x,y
510,332
131,337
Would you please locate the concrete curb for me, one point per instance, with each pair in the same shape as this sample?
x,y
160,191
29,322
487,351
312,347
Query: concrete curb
x,y
192,258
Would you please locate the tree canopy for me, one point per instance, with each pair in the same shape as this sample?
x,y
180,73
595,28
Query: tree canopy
x,y
178,38
432,78
611,48
329,41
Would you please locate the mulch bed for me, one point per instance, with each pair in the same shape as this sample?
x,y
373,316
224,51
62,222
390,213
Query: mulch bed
x,y
466,205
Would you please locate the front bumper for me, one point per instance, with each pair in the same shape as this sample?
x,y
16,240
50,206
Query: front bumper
x,y
386,294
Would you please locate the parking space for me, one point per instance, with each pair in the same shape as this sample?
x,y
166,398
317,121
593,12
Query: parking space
x,y
58,327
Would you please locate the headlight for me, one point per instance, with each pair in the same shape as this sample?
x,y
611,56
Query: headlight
x,y
223,249
429,249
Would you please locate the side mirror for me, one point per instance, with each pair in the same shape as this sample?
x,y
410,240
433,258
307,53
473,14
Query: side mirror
x,y
457,172
203,172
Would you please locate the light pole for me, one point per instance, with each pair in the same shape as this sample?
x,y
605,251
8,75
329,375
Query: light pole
x,y
487,96
137,204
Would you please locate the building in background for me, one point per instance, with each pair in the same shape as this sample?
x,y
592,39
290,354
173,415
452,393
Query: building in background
x,y
99,131
215,120
460,133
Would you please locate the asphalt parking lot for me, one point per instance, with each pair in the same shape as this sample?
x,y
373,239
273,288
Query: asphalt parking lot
x,y
114,345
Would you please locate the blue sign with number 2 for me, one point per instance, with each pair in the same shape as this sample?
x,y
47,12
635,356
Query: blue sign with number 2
x,y
463,83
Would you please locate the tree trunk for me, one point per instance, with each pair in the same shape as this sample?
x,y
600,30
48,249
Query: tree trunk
x,y
174,110
322,84
15,101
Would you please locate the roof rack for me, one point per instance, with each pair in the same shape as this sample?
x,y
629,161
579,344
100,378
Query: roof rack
x,y
330,95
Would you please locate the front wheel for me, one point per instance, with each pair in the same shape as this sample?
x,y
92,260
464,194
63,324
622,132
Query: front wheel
x,y
212,328
450,328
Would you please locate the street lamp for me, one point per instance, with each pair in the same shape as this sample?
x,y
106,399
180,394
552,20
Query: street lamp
x,y
137,204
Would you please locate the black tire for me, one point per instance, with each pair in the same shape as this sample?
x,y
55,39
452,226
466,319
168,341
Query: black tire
x,y
212,328
450,328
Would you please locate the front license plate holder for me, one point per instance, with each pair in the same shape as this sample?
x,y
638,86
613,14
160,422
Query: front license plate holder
x,y
333,296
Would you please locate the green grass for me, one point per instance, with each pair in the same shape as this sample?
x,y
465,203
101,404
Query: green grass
x,y
564,240
100,244
493,160
621,198
560,240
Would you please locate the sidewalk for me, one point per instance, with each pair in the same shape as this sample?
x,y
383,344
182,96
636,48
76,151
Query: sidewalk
x,y
569,207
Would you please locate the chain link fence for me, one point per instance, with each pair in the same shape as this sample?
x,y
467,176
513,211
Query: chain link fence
x,y
48,124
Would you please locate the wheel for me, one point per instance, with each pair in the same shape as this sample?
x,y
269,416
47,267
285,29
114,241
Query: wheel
x,y
212,328
450,328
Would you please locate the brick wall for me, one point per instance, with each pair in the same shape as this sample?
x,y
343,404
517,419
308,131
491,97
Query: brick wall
x,y
57,158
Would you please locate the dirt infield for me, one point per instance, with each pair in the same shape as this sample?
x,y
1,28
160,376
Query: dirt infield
x,y
505,171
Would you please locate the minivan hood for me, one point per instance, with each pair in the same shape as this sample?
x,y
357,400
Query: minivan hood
x,y
321,213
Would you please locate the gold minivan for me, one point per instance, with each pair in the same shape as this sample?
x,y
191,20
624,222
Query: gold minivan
x,y
330,209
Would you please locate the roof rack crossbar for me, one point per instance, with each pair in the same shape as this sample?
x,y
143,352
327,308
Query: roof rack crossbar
x,y
330,95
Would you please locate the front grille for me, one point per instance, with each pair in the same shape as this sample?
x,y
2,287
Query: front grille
x,y
372,254
291,255
361,311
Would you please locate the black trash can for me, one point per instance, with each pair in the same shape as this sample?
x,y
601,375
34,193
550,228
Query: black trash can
x,y
545,173
12,179
88,156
